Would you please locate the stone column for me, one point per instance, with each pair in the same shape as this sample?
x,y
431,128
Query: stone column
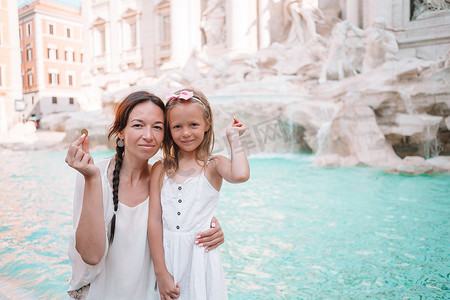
x,y
263,23
109,58
148,38
113,38
241,26
352,12
181,32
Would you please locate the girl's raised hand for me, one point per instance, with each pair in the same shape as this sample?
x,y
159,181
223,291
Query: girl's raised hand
x,y
167,289
79,158
235,127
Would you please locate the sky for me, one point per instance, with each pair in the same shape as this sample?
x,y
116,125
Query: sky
x,y
72,3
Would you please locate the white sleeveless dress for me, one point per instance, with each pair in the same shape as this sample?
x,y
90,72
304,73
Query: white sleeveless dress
x,y
126,269
187,209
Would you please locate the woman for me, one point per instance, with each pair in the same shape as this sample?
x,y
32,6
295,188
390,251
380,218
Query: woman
x,y
108,247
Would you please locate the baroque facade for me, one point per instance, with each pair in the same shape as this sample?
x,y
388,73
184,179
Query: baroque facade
x,y
132,40
132,43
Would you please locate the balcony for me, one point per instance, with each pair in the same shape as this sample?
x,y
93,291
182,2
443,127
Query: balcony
x,y
131,59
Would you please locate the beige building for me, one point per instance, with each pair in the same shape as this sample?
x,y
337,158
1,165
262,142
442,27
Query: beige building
x,y
52,54
10,85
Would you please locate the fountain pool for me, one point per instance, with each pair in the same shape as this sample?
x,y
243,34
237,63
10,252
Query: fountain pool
x,y
293,231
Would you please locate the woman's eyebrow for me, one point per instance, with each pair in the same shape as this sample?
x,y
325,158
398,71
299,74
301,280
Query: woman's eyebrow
x,y
139,120
136,120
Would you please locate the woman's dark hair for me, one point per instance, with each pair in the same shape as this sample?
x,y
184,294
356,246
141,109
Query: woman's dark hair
x,y
122,112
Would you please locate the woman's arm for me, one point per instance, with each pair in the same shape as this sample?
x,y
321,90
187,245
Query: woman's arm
x,y
90,232
211,238
165,280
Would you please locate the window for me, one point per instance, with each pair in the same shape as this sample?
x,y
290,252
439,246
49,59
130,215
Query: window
x,y
69,55
54,100
68,32
52,52
28,29
1,34
2,68
30,77
100,40
81,57
129,34
29,52
53,77
165,30
32,100
71,102
70,78
20,33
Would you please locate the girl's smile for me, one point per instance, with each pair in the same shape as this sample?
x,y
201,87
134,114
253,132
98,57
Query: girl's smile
x,y
187,125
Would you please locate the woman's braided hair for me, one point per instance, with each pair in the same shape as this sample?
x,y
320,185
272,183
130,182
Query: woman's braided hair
x,y
122,112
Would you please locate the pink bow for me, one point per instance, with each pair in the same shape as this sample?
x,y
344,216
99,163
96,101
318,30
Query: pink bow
x,y
184,95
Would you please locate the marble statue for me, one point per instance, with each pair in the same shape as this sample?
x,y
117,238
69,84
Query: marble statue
x,y
424,7
380,43
213,23
301,21
338,64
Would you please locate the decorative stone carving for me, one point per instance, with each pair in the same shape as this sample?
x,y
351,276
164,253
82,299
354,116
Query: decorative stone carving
x,y
338,63
423,8
213,23
380,43
301,21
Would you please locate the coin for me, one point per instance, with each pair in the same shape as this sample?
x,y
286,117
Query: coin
x,y
84,131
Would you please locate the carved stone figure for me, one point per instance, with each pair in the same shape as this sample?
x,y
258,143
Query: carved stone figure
x,y
379,44
301,21
423,7
213,23
338,64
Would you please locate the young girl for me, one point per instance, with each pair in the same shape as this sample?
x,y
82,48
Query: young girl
x,y
184,190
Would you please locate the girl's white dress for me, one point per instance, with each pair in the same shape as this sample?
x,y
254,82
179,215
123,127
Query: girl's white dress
x,y
126,269
187,209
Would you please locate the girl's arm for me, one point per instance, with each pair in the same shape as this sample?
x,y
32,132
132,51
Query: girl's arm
x,y
237,170
165,280
90,232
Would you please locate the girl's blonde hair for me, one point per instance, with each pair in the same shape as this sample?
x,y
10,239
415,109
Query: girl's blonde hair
x,y
170,149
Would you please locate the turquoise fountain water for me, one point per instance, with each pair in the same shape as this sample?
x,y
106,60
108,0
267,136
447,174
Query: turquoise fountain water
x,y
293,231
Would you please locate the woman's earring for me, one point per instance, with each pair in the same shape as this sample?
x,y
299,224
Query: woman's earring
x,y
120,143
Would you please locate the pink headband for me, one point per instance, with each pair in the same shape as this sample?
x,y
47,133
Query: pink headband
x,y
185,96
